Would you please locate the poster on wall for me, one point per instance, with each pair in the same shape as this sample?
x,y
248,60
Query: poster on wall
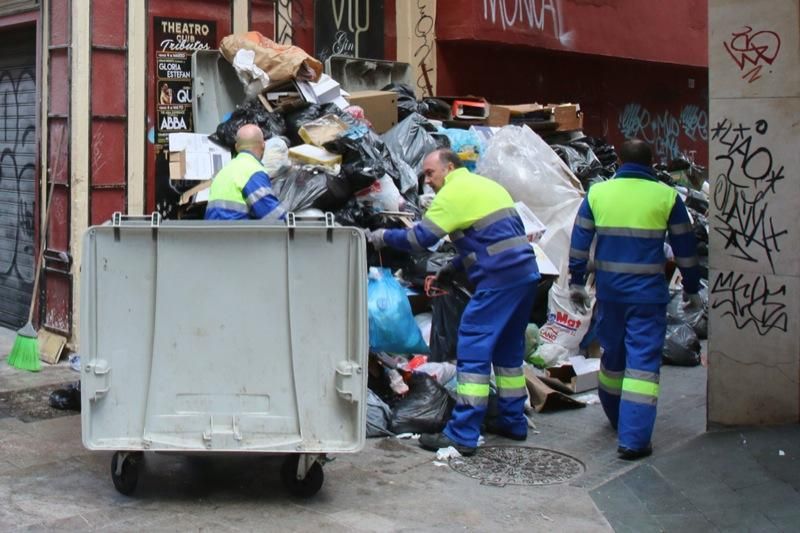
x,y
348,28
175,40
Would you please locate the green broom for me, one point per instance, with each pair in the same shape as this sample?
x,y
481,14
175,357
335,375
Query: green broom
x,y
25,352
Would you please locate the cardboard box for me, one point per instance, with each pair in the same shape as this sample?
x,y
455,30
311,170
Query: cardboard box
x,y
192,156
580,374
197,194
380,108
569,117
322,130
309,154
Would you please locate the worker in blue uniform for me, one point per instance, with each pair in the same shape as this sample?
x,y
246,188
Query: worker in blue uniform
x,y
241,190
630,215
479,216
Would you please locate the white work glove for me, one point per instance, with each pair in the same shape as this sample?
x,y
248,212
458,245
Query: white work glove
x,y
375,238
693,301
580,299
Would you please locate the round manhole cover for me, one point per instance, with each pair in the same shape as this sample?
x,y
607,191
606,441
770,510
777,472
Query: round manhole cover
x,y
512,465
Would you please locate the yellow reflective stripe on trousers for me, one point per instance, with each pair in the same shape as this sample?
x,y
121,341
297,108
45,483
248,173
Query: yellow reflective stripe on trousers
x,y
473,389
609,382
510,382
639,386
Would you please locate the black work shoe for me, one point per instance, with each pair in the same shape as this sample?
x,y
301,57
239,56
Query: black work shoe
x,y
436,441
494,429
631,455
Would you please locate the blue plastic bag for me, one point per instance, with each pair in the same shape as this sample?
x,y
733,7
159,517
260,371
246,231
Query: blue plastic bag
x,y
392,327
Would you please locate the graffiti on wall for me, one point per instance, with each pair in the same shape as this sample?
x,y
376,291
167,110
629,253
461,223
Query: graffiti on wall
x,y
743,191
664,129
743,195
544,16
753,50
17,175
750,300
424,53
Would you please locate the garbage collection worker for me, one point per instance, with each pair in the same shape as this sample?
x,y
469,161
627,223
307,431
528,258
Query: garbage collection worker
x,y
479,216
630,215
241,189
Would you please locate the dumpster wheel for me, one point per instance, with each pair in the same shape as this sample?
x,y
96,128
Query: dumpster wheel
x,y
125,471
308,485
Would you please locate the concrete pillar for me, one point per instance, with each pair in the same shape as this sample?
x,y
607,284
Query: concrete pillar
x,y
754,285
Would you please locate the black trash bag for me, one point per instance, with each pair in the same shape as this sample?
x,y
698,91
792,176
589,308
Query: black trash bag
x,y
425,409
406,100
681,346
356,214
296,118
411,141
299,188
436,109
447,311
697,319
379,416
422,265
251,112
68,399
362,159
338,192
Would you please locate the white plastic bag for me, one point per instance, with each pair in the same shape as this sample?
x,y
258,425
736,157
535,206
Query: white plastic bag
x,y
276,155
253,78
425,321
533,173
565,326
382,194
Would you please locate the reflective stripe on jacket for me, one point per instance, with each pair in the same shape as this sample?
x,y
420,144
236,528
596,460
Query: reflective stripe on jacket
x,y
630,216
480,217
242,190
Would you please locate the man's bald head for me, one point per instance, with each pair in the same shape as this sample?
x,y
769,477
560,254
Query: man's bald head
x,y
250,138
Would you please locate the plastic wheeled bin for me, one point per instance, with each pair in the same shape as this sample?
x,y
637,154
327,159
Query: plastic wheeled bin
x,y
233,337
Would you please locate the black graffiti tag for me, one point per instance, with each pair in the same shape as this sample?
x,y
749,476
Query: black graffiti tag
x,y
742,192
16,170
750,302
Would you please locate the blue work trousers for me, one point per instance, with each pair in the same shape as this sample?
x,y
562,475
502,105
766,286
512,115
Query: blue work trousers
x,y
492,332
632,336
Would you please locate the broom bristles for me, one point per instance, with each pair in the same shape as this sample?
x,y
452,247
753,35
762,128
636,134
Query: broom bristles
x,y
25,352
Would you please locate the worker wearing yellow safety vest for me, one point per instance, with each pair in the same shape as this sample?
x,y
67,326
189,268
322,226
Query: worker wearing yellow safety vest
x,y
242,190
479,216
630,215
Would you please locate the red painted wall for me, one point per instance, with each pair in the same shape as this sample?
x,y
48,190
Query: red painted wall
x,y
674,31
619,98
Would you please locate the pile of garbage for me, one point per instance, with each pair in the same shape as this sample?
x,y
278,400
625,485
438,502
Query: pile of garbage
x,y
359,155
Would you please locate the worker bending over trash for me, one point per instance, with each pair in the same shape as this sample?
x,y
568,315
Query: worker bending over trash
x,y
241,189
630,215
479,216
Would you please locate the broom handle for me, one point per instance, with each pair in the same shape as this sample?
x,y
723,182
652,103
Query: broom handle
x,y
43,232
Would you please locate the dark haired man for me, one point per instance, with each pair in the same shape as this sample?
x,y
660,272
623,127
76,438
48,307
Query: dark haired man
x,y
630,215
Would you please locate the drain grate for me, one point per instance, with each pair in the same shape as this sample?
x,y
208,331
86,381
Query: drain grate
x,y
514,465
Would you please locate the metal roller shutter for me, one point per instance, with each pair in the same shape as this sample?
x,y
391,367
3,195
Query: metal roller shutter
x,y
18,146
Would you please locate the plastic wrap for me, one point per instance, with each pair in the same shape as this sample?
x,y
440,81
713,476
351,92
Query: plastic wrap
x,y
392,327
533,173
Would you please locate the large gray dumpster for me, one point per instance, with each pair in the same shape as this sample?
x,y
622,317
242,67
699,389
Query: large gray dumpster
x,y
224,337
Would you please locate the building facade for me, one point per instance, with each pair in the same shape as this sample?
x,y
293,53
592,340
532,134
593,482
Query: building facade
x,y
91,88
